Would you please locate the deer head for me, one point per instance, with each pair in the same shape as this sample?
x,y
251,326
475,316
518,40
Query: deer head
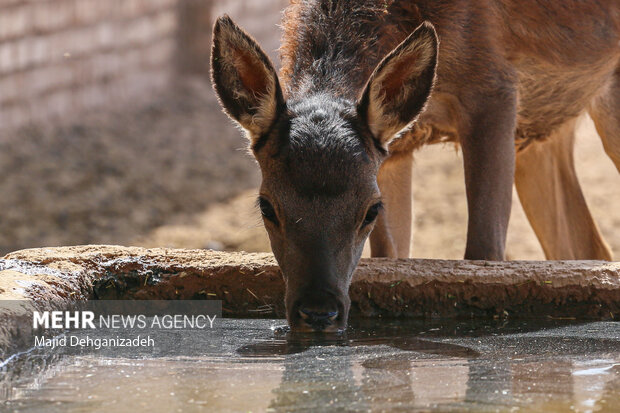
x,y
319,156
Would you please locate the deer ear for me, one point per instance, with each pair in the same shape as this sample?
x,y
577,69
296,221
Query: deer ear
x,y
244,79
400,85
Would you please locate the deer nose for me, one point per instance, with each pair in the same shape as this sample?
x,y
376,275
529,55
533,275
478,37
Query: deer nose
x,y
313,317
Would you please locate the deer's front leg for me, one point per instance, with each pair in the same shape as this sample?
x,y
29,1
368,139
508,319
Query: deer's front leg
x,y
391,236
489,161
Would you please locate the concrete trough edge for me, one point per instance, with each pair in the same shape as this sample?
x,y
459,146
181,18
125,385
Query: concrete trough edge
x,y
251,285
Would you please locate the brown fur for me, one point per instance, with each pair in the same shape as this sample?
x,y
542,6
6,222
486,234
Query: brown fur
x,y
552,58
553,202
335,137
538,46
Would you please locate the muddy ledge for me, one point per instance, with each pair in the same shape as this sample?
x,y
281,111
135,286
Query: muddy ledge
x,y
251,285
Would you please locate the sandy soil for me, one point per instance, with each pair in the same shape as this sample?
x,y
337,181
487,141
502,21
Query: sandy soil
x,y
107,177
440,209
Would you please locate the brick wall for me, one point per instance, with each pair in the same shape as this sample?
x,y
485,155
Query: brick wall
x,y
61,57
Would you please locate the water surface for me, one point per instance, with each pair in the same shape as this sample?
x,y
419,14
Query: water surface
x,y
377,365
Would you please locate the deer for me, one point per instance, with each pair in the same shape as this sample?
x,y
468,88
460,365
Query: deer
x,y
365,83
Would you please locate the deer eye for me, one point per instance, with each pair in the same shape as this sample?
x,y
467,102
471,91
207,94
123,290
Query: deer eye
x,y
266,209
372,213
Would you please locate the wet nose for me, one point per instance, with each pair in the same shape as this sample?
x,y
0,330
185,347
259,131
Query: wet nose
x,y
318,319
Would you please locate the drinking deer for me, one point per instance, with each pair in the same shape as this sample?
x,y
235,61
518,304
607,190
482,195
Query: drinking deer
x,y
335,132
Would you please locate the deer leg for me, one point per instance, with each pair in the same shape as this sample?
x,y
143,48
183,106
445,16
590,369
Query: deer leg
x,y
489,159
549,191
391,236
605,112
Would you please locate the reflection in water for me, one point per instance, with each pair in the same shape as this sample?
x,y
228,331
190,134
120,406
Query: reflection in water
x,y
534,372
440,382
91,384
383,382
590,384
456,368
405,381
317,385
565,385
400,379
531,381
292,343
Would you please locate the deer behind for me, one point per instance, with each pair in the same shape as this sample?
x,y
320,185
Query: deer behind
x,y
335,133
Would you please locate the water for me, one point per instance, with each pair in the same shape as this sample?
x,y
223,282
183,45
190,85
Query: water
x,y
377,365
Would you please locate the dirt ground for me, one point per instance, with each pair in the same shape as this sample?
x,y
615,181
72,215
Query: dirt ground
x,y
440,209
108,177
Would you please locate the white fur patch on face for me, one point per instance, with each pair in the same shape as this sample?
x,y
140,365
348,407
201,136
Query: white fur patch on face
x,y
265,115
